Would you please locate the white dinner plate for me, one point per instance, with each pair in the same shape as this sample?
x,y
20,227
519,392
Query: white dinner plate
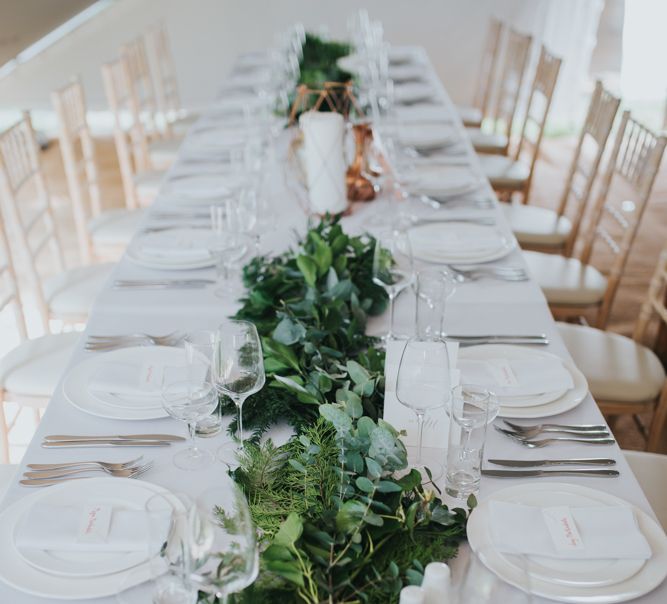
x,y
17,573
574,581
427,137
77,381
412,92
399,55
407,73
425,239
569,400
203,186
186,238
439,180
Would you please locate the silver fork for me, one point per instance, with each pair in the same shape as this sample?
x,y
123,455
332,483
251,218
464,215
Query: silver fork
x,y
538,444
536,432
498,273
97,343
583,429
76,464
438,203
128,472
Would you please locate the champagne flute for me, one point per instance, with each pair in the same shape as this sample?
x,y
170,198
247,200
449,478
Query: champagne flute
x,y
393,268
238,364
423,383
190,402
232,562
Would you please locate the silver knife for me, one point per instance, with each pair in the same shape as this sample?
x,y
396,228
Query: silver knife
x,y
524,463
162,437
542,473
539,336
71,444
513,341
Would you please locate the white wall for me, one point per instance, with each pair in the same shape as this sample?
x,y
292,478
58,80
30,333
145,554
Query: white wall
x,y
207,34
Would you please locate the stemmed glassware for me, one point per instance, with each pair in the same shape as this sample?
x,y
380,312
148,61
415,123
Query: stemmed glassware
x,y
199,347
238,364
393,268
226,244
231,562
434,288
422,384
190,402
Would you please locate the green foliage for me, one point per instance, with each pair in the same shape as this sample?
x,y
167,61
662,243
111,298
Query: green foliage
x,y
318,64
338,524
310,307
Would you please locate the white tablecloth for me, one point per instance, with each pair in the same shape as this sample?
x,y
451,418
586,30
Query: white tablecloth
x,y
477,307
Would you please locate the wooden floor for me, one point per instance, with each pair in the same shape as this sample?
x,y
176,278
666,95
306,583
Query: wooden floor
x,y
547,186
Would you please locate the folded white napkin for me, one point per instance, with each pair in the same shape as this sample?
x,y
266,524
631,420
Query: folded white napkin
x,y
140,381
184,245
515,377
91,528
601,532
412,92
440,180
442,239
427,135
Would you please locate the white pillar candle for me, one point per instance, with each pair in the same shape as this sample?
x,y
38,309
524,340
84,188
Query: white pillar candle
x,y
324,160
412,594
436,583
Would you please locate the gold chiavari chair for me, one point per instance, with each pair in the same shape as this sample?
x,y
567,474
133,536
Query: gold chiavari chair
x,y
473,115
510,175
29,372
161,152
497,140
175,120
624,375
573,286
68,294
101,233
140,183
548,230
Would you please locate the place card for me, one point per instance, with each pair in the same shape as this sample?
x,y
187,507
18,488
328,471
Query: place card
x,y
95,523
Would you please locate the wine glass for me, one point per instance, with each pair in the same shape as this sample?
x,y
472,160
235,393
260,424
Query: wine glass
x,y
198,355
393,268
226,244
190,402
232,561
422,384
238,364
434,288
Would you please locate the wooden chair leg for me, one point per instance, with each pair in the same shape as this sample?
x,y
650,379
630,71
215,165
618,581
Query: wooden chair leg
x,y
658,422
37,416
4,432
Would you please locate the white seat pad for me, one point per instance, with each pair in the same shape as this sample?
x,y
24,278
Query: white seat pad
x,y
503,171
617,368
115,227
566,280
537,226
73,292
34,367
486,142
470,116
163,152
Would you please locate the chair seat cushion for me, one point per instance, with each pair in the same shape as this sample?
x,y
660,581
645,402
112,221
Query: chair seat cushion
x,y
470,116
566,281
617,368
504,172
163,152
34,367
114,227
72,293
485,142
537,226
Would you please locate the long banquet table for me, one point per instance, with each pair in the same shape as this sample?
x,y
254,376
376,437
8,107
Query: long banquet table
x,y
478,307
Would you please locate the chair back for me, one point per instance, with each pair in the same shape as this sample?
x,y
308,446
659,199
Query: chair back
x,y
654,303
517,51
635,159
9,293
587,157
487,70
27,205
537,110
77,148
129,135
141,83
169,99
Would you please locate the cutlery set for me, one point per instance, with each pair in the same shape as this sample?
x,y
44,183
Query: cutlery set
x,y
533,468
131,440
520,340
478,271
108,343
436,202
554,433
162,283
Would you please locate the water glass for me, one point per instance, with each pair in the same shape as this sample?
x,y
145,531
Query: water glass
x,y
198,355
190,402
226,245
434,288
469,412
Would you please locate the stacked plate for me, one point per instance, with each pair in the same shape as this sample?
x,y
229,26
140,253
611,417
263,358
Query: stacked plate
x,y
412,92
582,580
427,137
199,187
529,383
77,573
175,249
406,73
459,243
125,383
427,113
441,181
